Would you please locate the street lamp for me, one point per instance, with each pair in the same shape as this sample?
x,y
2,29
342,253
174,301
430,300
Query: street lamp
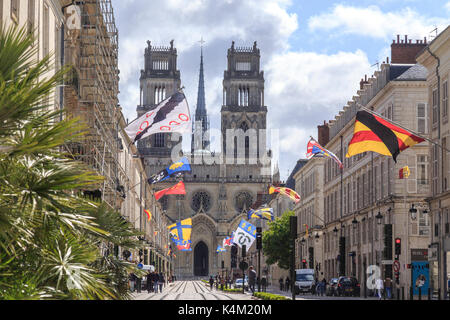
x,y
379,216
303,241
354,222
413,212
335,230
317,235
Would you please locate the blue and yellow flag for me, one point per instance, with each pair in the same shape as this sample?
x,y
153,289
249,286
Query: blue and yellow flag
x,y
220,249
177,167
181,231
264,213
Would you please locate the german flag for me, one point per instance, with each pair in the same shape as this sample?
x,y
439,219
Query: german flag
x,y
375,134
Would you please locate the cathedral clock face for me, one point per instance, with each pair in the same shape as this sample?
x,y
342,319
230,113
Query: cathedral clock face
x,y
243,199
201,199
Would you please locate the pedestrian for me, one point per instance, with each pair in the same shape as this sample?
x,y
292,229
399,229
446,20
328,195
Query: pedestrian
x,y
155,281
132,279
264,283
149,281
324,286
379,286
287,284
139,284
388,287
161,281
281,283
211,282
251,279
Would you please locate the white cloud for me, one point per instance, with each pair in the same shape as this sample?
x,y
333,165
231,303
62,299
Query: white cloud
x,y
372,22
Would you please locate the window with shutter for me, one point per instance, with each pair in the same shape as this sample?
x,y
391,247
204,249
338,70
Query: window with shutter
x,y
445,101
434,101
421,118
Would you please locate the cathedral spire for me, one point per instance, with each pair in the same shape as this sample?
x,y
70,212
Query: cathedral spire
x,y
200,140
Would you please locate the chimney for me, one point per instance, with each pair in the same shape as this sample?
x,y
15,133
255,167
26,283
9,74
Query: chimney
x,y
363,82
405,52
323,133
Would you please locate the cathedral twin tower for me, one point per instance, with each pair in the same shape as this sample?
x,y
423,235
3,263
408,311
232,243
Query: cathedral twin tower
x,y
218,194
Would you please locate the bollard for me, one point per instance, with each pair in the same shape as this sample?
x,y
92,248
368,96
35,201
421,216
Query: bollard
x,y
420,293
411,293
439,294
429,293
403,293
398,293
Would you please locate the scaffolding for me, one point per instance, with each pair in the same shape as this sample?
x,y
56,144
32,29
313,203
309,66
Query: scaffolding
x,y
93,95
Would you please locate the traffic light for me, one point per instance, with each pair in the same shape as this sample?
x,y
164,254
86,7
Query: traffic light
x,y
234,251
387,242
311,257
258,238
398,246
304,264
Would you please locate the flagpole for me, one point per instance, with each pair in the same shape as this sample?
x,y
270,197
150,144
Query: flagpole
x,y
400,126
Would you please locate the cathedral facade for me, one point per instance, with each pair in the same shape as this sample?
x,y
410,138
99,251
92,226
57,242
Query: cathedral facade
x,y
222,186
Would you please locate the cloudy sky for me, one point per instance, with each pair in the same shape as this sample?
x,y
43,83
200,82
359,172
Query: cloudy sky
x,y
313,53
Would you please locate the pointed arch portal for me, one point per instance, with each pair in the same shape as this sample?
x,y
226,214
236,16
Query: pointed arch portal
x,y
201,259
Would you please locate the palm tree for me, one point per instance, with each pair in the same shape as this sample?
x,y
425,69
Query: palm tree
x,y
50,236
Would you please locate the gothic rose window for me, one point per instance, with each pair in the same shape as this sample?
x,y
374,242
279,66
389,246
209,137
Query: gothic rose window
x,y
201,199
243,199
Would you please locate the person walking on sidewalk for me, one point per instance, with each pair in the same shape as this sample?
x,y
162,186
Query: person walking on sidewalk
x,y
388,287
379,286
287,284
155,281
211,282
149,281
251,279
264,283
281,283
161,281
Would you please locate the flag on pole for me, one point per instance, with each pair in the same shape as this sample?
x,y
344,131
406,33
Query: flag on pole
x,y
228,241
149,214
184,245
176,189
181,230
375,134
175,168
315,149
245,234
404,173
285,191
170,115
307,230
220,249
264,213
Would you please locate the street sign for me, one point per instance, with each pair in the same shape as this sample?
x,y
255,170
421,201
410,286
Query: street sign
x,y
243,265
396,266
384,262
140,266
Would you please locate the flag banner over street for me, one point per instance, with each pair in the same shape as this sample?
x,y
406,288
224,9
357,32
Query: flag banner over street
x,y
245,234
149,214
181,230
177,167
375,134
176,189
263,213
220,249
228,241
285,191
314,149
171,115
183,245
404,173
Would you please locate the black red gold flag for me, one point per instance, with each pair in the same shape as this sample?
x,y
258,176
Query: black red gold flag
x,y
375,134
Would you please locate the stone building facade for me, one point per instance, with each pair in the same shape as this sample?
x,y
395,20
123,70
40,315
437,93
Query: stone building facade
x,y
222,185
436,58
366,203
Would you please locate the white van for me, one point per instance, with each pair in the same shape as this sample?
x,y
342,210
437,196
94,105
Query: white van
x,y
304,281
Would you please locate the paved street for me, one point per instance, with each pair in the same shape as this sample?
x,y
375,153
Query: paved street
x,y
190,290
197,290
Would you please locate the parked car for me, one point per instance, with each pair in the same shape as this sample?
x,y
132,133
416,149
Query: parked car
x,y
238,283
348,286
332,287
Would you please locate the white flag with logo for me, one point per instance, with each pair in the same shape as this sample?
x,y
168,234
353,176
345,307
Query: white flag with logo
x,y
171,115
245,234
